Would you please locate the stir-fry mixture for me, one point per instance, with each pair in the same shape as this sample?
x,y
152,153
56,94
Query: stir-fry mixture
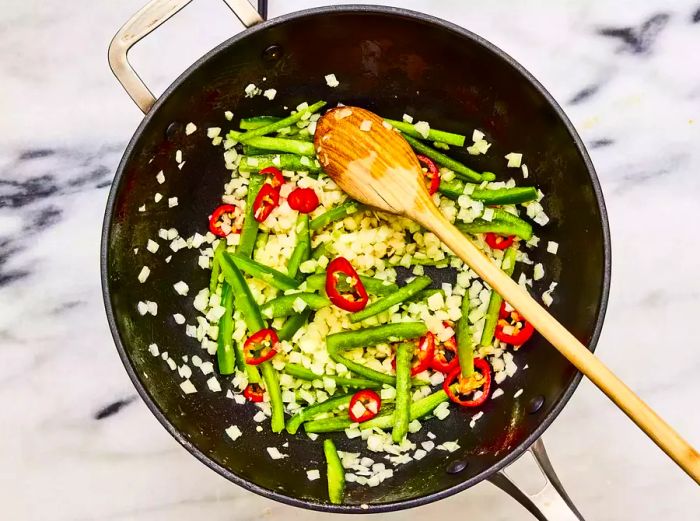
x,y
327,315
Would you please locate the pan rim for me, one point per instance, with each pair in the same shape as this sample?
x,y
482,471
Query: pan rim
x,y
395,505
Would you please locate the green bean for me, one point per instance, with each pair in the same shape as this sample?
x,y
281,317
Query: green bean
x,y
404,356
418,261
251,314
257,122
290,162
446,161
508,266
362,370
293,324
332,424
249,231
215,268
302,250
272,386
515,195
278,144
371,336
274,278
452,189
417,410
465,346
308,413
374,286
441,136
261,240
425,295
243,298
322,250
389,301
251,371
225,355
512,226
281,123
301,372
334,214
335,474
283,306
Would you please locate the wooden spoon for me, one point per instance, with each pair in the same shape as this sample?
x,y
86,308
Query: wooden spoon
x,y
373,164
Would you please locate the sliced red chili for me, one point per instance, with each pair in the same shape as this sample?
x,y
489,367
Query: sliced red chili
x,y
260,347
422,356
303,200
224,214
254,393
458,389
432,176
344,287
267,200
276,178
499,242
520,329
364,405
445,354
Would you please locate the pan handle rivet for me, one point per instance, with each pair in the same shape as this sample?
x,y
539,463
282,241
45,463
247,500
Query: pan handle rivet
x,y
456,466
535,404
272,53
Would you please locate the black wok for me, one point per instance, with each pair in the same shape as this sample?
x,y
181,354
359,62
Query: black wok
x,y
390,61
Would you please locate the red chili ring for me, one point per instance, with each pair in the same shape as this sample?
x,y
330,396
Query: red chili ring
x,y
433,174
483,367
254,393
260,347
217,214
499,242
371,402
276,174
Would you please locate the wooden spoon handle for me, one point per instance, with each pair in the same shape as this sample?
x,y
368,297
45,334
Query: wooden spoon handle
x,y
639,412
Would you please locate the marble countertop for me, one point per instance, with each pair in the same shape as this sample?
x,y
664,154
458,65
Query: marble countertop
x,y
77,443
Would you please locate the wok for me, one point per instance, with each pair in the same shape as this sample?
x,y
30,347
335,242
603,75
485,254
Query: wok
x,y
391,61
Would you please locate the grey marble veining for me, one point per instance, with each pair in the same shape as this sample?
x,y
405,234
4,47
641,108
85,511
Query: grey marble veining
x,y
76,443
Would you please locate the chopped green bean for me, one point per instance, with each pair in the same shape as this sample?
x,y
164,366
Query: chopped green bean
x,y
404,356
283,306
290,162
246,304
515,195
503,223
335,474
425,294
278,144
452,189
389,301
332,424
322,250
274,278
371,336
360,369
465,346
308,413
281,123
257,122
249,231
446,161
374,286
508,266
293,324
302,250
251,371
301,372
225,354
215,268
441,136
417,410
335,214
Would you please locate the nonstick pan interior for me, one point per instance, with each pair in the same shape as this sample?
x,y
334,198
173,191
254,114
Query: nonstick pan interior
x,y
391,62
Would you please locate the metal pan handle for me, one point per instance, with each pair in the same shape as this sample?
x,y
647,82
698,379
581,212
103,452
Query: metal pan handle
x,y
147,20
551,502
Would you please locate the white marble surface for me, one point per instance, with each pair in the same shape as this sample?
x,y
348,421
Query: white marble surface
x,y
635,101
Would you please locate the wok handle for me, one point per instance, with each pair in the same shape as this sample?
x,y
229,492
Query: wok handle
x,y
551,503
143,23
